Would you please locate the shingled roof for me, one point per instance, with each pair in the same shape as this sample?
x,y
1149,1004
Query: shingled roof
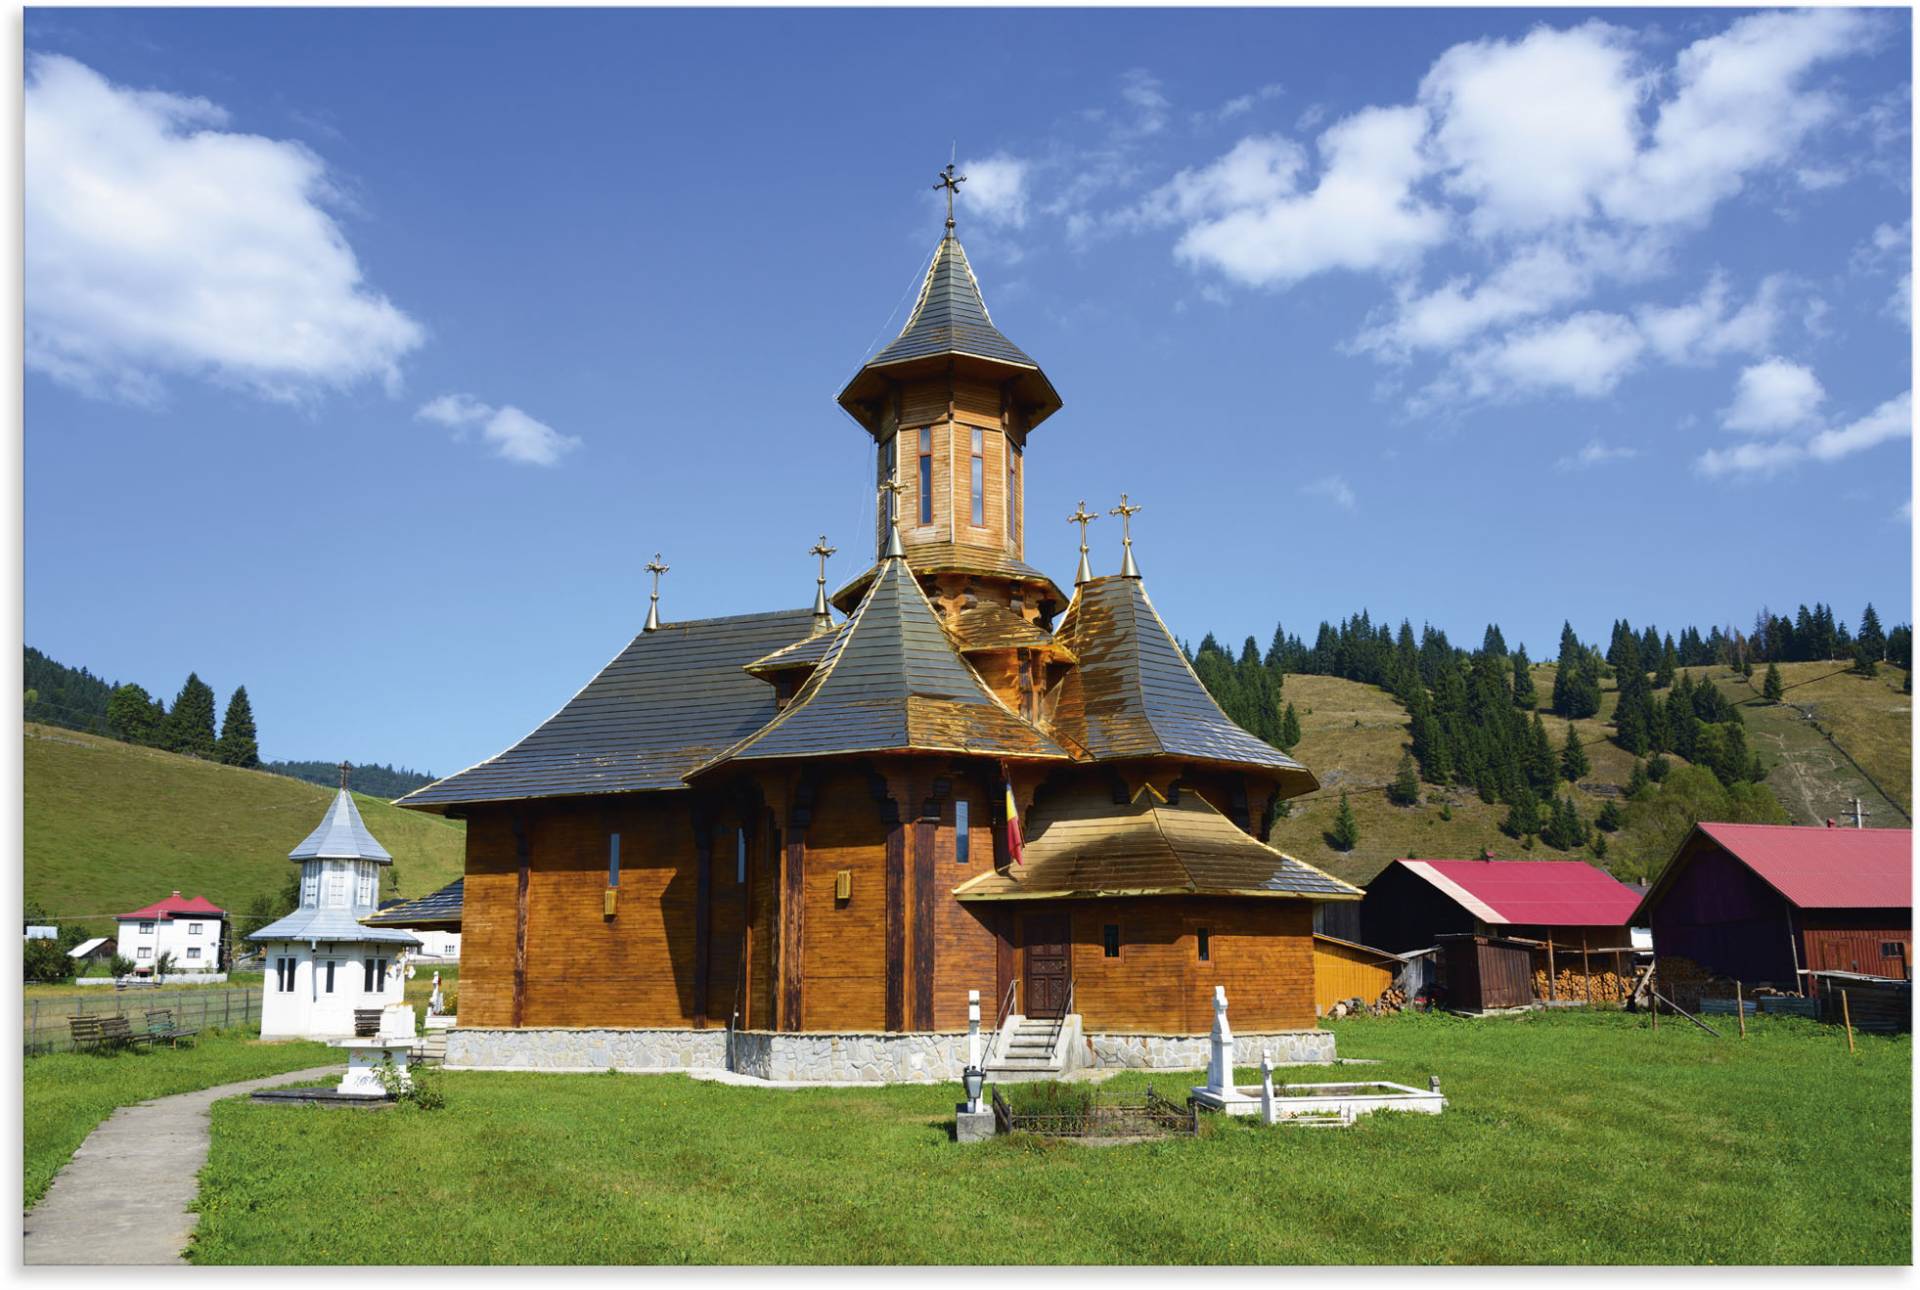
x,y
892,683
1084,845
341,835
441,909
950,320
1135,695
671,700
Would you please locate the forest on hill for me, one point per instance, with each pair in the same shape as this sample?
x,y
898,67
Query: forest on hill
x,y
76,699
1646,736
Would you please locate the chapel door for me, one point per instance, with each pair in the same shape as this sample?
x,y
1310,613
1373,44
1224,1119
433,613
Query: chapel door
x,y
1046,939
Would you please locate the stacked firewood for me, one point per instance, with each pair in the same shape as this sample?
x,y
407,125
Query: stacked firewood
x,y
1571,984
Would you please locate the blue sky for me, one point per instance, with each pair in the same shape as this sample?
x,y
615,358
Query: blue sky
x,y
370,354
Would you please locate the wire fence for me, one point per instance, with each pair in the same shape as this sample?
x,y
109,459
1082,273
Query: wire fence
x,y
44,1020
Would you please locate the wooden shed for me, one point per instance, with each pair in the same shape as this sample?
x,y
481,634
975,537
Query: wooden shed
x,y
1481,973
1771,903
1345,969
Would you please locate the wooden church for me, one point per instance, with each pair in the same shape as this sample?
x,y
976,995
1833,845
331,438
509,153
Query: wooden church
x,y
787,825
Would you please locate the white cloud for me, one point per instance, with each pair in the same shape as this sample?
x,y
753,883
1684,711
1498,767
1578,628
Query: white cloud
x,y
1750,459
1739,106
1536,280
1258,170
1334,488
1245,103
1530,130
510,432
1703,329
1585,355
1772,397
161,244
996,190
1891,420
1140,90
1362,214
1598,452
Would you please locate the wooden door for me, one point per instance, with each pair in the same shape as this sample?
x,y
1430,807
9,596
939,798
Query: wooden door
x,y
1045,937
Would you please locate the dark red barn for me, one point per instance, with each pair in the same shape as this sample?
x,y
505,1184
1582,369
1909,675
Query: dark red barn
x,y
1764,902
1413,902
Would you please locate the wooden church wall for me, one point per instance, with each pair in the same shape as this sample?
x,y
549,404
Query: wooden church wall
x,y
844,947
964,942
487,922
1261,950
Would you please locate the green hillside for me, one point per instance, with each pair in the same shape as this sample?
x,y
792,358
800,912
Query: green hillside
x,y
1352,736
110,827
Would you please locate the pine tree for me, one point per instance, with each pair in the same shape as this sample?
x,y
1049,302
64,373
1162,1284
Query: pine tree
x,y
1657,768
1669,664
1405,789
1346,830
1864,663
239,741
1611,817
1638,783
1525,697
189,726
1599,846
1289,730
1871,635
1540,760
1523,816
1576,681
1772,687
1573,758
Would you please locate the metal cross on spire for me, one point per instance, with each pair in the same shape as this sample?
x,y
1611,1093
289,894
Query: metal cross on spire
x,y
346,768
655,568
951,182
1128,569
1082,517
890,492
822,550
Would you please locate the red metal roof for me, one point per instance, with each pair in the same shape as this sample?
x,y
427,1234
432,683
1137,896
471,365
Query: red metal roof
x,y
175,905
1819,868
1538,893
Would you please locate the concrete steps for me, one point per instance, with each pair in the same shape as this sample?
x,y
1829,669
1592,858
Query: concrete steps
x,y
1028,1049
432,1048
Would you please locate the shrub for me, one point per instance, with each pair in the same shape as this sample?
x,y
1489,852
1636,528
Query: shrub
x,y
1051,1098
44,963
119,965
417,1089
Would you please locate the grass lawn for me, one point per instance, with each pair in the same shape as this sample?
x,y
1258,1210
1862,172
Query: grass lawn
x,y
1571,1139
66,1095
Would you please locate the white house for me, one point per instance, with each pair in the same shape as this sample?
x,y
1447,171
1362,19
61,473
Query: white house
x,y
187,929
322,962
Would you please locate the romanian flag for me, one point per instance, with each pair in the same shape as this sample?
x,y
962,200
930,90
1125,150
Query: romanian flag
x,y
1015,843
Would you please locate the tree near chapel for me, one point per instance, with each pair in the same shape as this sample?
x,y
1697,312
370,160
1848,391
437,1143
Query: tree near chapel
x,y
1405,789
1345,834
1573,758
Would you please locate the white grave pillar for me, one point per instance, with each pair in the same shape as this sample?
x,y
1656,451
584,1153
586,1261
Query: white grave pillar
x,y
1220,1063
1266,1087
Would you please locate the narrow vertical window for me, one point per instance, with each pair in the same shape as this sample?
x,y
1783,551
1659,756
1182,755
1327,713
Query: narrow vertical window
x,y
962,839
1206,945
889,465
1013,489
380,976
926,476
366,985
613,860
331,964
979,477
1110,940
740,856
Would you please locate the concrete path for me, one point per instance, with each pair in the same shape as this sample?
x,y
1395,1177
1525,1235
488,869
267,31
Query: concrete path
x,y
123,1197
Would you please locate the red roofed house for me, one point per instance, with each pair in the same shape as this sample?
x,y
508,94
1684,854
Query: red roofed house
x,y
188,929
1762,902
1413,902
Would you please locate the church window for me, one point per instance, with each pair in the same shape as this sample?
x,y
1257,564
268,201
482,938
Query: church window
x,y
979,477
1110,940
740,855
962,838
376,978
1013,489
1206,945
366,884
310,885
336,884
926,476
613,860
331,965
283,975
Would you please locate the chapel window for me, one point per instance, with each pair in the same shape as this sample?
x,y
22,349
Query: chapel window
x,y
979,477
1110,940
331,965
1013,489
310,885
613,860
962,838
1206,945
740,856
283,975
926,476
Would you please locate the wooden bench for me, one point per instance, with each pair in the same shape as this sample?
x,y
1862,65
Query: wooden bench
x,y
366,1023
161,1026
102,1033
86,1033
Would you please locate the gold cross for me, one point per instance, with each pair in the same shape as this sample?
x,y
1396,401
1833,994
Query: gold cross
x,y
1081,517
655,568
1126,514
822,550
895,488
951,182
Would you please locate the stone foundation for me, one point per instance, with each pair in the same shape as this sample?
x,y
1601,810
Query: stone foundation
x,y
1192,1052
879,1058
